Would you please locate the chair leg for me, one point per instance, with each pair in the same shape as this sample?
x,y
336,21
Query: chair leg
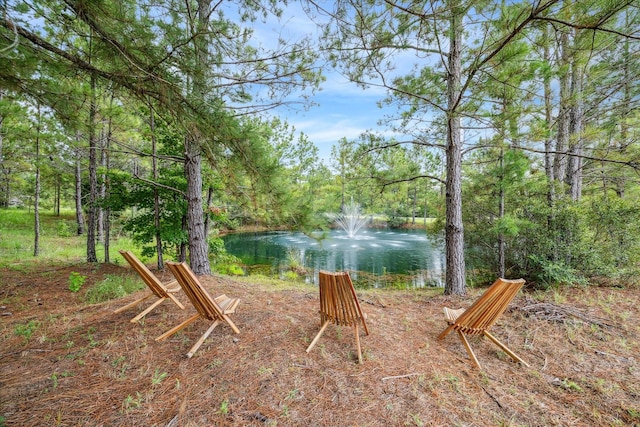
x,y
178,303
469,350
179,327
445,332
147,310
204,336
230,322
355,326
505,348
315,340
133,304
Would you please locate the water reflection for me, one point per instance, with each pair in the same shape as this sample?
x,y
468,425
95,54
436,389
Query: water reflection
x,y
378,253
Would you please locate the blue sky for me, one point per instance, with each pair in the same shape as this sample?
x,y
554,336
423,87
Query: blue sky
x,y
342,110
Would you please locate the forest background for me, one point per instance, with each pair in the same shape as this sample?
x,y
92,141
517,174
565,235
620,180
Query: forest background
x,y
158,120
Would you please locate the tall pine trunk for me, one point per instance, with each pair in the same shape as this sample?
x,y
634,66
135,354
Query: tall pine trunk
x,y
207,217
548,141
106,159
93,178
4,173
156,193
57,191
1,133
454,231
562,141
78,176
620,181
101,185
36,197
501,209
576,117
198,245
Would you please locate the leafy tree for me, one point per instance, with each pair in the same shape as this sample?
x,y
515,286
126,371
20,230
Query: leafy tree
x,y
495,219
195,64
364,39
304,177
430,57
149,86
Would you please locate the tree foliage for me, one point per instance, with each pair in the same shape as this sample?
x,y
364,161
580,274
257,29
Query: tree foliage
x,y
515,124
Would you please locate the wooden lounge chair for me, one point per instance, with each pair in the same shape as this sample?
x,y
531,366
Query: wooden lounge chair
x,y
480,317
339,305
215,310
156,287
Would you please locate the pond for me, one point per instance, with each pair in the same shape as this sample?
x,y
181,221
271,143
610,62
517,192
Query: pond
x,y
383,256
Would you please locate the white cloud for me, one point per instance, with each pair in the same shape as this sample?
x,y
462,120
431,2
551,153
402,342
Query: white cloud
x,y
330,132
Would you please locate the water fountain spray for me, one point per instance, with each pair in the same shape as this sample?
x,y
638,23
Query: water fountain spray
x,y
350,219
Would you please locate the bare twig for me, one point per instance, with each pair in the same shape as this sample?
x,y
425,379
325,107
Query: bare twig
x,y
557,313
494,398
401,376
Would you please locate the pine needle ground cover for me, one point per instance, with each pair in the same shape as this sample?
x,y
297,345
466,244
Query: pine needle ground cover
x,y
67,361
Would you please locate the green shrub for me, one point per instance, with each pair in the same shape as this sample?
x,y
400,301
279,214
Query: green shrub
x,y
216,247
295,258
76,280
400,284
218,253
65,229
550,273
290,275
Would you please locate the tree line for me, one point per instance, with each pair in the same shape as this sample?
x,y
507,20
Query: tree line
x,y
519,122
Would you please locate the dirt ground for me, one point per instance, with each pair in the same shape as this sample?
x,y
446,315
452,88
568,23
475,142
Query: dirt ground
x,y
83,365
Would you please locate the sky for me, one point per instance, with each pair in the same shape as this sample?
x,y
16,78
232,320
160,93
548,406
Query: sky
x,y
341,110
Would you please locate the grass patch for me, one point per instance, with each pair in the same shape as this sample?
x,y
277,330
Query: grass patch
x,y
112,287
272,283
58,239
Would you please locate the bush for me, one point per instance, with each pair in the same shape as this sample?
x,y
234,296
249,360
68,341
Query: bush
x,y
66,229
290,275
218,253
76,280
549,273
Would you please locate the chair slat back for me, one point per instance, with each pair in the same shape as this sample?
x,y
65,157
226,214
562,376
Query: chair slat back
x,y
145,274
481,316
197,294
338,301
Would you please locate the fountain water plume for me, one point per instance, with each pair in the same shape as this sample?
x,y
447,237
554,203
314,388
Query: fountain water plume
x,y
350,219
